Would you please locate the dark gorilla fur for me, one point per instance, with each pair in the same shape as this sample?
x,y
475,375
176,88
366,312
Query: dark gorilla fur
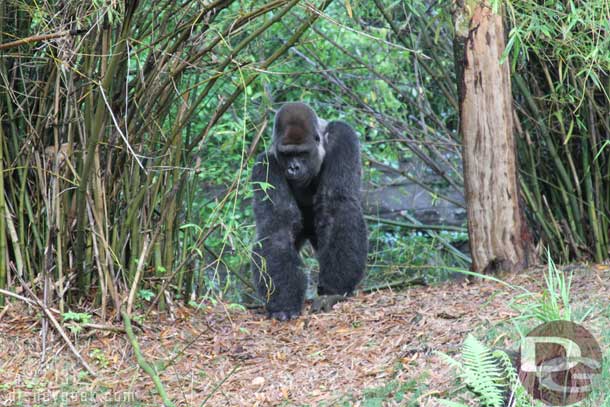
x,y
315,172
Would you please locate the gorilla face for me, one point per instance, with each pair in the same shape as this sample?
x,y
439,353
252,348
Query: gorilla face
x,y
301,163
297,142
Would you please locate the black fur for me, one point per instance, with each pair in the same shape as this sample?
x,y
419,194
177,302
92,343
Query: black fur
x,y
325,209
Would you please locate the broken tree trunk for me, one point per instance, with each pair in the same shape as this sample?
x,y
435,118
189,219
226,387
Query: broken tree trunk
x,y
499,240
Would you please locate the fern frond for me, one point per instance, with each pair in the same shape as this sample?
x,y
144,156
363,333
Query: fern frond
x,y
449,360
518,396
482,373
490,375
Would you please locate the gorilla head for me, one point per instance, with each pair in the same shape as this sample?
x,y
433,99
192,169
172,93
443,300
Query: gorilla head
x,y
298,142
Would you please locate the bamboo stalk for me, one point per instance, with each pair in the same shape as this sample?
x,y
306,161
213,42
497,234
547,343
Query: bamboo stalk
x,y
574,219
599,220
92,143
3,214
599,257
553,234
160,274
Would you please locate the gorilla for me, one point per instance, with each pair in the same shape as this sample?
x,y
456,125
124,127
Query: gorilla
x,y
314,170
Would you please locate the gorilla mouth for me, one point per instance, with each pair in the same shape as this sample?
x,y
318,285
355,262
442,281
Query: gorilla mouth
x,y
301,180
295,175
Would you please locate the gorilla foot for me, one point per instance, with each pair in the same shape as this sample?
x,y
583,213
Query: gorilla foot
x,y
284,315
324,303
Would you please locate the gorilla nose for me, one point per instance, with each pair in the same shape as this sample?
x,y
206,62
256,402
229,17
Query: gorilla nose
x,y
293,170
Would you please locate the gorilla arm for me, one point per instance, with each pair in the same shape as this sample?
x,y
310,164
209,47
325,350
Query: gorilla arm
x,y
276,263
340,226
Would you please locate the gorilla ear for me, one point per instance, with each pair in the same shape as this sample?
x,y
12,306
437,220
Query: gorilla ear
x,y
322,126
321,133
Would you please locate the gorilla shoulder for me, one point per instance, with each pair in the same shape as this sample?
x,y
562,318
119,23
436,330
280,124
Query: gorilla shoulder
x,y
340,135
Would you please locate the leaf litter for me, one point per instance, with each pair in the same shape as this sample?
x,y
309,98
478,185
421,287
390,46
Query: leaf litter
x,y
223,356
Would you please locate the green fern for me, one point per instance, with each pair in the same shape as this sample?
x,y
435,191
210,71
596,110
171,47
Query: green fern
x,y
482,373
489,374
517,395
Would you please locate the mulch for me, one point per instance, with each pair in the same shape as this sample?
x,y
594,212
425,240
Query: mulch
x,y
226,356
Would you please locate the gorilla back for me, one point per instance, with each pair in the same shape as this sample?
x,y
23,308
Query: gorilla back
x,y
315,171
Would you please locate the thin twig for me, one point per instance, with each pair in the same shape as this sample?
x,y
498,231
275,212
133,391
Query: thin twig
x,y
58,328
141,263
100,327
215,389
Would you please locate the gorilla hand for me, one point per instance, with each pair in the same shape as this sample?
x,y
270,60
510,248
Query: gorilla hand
x,y
325,303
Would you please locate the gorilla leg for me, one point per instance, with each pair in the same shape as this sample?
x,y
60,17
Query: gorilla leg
x,y
343,247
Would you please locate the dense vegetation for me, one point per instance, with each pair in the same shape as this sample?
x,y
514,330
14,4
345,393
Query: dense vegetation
x,y
561,58
127,142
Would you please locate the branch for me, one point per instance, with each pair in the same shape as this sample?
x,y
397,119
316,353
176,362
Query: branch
x,y
416,226
38,38
25,299
263,66
143,363
55,324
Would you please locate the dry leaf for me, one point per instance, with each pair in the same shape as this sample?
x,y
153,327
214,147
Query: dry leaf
x,y
258,381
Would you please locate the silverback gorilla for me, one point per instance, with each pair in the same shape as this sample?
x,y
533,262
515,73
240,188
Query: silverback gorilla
x,y
314,169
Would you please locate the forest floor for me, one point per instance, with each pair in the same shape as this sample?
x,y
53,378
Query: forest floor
x,y
375,349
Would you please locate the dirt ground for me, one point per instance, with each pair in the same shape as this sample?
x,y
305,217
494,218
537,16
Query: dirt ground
x,y
224,356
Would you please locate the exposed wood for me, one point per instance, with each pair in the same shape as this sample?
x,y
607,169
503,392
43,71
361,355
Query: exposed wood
x,y
498,235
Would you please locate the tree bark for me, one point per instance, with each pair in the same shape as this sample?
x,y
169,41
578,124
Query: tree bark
x,y
499,238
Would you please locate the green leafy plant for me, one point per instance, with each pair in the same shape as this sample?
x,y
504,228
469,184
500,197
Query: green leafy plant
x,y
146,295
99,357
236,307
489,374
75,320
552,304
80,317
